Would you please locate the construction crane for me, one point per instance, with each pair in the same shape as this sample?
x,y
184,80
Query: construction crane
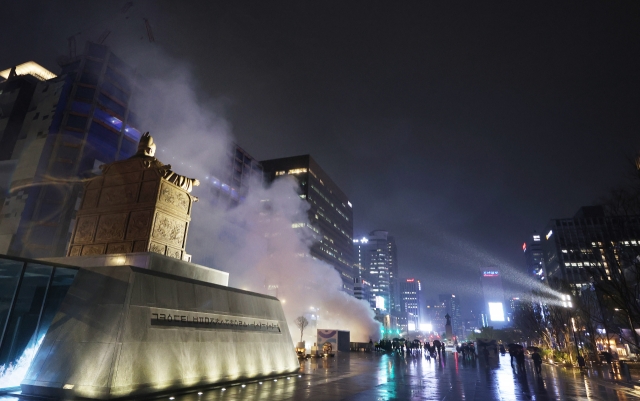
x,y
104,36
149,32
72,39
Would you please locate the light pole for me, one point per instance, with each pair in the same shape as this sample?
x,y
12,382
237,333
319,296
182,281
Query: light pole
x,y
566,302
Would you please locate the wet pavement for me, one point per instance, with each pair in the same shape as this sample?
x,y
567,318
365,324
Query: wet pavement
x,y
373,377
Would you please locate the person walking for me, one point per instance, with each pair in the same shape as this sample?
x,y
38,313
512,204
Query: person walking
x,y
537,362
520,361
512,354
608,357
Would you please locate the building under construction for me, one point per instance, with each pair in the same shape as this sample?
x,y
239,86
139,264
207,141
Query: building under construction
x,y
55,130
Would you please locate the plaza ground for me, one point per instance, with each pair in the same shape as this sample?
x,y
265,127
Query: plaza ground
x,y
372,376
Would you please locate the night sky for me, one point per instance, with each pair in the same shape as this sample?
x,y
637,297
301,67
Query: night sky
x,y
459,127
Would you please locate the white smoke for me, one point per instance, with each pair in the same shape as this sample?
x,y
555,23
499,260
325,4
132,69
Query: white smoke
x,y
255,242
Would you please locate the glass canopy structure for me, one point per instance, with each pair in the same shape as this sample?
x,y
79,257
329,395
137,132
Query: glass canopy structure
x,y
31,292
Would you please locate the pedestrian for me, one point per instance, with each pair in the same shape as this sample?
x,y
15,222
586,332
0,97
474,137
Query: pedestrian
x,y
581,362
520,361
537,362
608,357
485,353
512,354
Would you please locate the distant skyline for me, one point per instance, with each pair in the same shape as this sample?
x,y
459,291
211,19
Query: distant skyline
x,y
459,128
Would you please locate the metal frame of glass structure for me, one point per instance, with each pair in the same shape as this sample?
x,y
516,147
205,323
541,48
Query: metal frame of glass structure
x,y
31,292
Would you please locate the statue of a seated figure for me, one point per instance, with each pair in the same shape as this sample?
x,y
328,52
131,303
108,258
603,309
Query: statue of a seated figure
x,y
147,151
135,205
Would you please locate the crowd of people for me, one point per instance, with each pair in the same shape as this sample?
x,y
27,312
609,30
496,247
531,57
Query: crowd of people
x,y
467,350
430,350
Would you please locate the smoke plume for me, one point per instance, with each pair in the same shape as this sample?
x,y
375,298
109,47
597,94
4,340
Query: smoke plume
x,y
255,241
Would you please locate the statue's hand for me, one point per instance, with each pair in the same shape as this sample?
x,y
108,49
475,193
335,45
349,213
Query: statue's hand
x,y
196,182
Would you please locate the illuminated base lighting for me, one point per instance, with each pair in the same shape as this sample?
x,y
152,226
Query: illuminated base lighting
x,y
12,374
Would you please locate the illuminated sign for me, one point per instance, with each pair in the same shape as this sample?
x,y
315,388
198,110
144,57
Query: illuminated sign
x,y
410,280
549,234
411,326
490,273
536,238
496,312
380,302
524,247
426,327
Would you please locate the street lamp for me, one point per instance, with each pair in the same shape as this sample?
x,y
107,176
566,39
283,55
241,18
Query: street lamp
x,y
566,302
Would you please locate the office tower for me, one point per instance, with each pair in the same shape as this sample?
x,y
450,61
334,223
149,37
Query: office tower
x,y
59,130
452,305
362,290
410,303
515,304
438,320
376,257
534,257
330,213
591,244
394,278
493,297
230,183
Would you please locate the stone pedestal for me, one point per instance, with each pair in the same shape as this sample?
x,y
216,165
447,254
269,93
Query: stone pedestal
x,y
143,323
131,208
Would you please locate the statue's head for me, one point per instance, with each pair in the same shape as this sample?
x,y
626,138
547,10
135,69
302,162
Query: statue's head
x,y
146,147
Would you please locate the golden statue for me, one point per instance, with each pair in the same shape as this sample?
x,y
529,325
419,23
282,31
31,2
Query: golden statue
x,y
136,205
147,151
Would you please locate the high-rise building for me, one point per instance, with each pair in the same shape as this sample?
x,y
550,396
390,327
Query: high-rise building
x,y
534,257
410,304
590,241
376,258
515,304
438,320
452,305
493,297
55,132
330,213
394,276
229,184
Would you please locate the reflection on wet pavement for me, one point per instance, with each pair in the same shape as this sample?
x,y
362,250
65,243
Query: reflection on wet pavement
x,y
370,376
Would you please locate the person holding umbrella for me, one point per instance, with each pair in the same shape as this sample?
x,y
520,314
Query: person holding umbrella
x,y
537,361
